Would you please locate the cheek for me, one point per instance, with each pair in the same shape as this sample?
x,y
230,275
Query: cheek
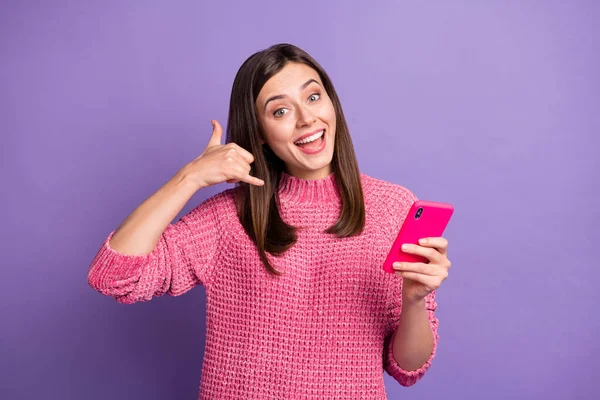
x,y
329,112
277,134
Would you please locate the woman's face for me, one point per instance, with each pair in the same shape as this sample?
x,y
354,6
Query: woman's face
x,y
293,104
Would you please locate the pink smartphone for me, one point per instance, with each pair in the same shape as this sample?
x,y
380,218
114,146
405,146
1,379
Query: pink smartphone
x,y
425,219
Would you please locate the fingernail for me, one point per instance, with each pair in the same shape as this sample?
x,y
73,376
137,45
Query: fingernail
x,y
404,247
397,265
423,241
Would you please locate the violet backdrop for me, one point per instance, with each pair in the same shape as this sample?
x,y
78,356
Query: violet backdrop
x,y
493,106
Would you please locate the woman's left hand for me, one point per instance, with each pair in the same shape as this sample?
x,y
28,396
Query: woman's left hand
x,y
420,279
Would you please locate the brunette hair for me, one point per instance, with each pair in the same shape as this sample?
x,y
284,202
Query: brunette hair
x,y
256,205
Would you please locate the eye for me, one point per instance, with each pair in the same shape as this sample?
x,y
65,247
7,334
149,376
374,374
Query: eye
x,y
314,97
280,112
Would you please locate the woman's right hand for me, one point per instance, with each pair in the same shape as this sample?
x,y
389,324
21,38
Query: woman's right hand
x,y
220,163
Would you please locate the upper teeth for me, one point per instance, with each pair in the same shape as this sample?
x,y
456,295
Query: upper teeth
x,y
311,138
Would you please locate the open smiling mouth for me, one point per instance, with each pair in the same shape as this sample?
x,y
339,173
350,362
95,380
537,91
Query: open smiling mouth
x,y
312,144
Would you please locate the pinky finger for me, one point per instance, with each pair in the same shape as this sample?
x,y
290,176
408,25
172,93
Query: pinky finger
x,y
243,174
427,280
253,180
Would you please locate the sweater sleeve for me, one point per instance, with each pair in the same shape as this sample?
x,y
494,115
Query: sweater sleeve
x,y
402,198
184,256
391,366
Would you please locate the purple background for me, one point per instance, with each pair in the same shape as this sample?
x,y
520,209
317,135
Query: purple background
x,y
492,106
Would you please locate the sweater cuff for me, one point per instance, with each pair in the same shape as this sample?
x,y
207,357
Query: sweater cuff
x,y
409,378
118,269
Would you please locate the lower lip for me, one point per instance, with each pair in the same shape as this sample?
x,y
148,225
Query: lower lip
x,y
318,149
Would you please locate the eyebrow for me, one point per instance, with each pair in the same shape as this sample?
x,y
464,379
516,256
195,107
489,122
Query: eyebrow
x,y
282,96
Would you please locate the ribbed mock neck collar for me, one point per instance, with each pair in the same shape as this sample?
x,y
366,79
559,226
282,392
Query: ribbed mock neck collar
x,y
321,191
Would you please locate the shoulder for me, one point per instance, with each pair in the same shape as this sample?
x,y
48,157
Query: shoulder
x,y
379,191
386,202
220,205
225,198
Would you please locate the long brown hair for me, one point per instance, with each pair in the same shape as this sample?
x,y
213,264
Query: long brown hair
x,y
256,205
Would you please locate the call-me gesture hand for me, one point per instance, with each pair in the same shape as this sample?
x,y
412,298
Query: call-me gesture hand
x,y
220,163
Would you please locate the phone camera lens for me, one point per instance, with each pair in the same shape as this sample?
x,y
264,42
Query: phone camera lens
x,y
419,212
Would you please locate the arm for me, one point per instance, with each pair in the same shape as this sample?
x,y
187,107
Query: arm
x,y
412,335
147,256
141,230
411,347
413,342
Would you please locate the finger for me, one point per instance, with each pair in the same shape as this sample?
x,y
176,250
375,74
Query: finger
x,y
428,252
421,268
217,134
430,282
246,155
234,153
252,180
241,172
236,164
439,243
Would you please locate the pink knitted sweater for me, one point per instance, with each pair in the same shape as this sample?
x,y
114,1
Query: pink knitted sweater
x,y
323,330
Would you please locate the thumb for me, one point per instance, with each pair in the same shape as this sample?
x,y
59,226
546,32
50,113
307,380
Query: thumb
x,y
217,134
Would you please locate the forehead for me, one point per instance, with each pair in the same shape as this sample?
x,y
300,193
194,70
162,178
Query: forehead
x,y
288,80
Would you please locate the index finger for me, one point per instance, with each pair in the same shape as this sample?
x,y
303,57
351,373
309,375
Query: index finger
x,y
437,242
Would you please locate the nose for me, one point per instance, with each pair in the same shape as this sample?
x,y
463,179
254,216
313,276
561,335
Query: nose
x,y
305,117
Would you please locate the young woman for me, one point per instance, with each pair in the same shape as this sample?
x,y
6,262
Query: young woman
x,y
298,305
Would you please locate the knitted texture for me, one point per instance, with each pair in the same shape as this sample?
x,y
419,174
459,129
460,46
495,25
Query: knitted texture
x,y
323,330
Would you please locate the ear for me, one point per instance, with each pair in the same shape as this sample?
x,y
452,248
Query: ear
x,y
260,135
